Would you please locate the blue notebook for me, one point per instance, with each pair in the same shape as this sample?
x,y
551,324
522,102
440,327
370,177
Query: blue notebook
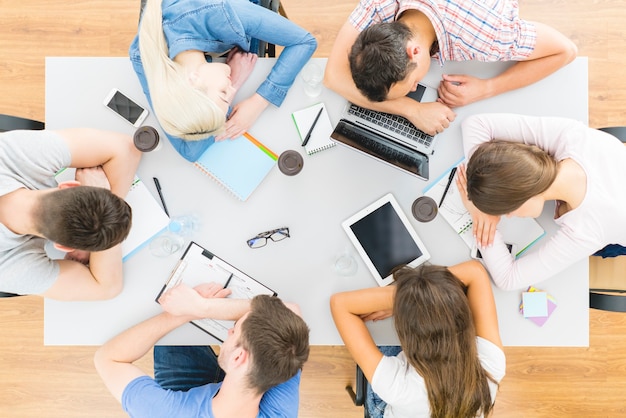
x,y
239,165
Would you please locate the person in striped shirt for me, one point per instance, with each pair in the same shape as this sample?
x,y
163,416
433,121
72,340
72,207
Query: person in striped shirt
x,y
385,48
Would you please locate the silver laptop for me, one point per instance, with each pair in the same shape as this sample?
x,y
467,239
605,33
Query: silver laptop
x,y
389,138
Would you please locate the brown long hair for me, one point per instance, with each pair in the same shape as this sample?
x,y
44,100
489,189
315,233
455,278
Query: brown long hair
x,y
502,175
434,324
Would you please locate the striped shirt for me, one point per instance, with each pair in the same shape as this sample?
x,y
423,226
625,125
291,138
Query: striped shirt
x,y
480,30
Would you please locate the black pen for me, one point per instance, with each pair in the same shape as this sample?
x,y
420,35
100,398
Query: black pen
x,y
445,191
228,280
158,187
308,135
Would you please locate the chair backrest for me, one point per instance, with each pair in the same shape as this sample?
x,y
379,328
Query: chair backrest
x,y
7,295
618,132
609,299
11,123
605,301
359,393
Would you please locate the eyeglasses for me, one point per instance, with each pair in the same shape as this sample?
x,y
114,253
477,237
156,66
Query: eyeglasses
x,y
275,235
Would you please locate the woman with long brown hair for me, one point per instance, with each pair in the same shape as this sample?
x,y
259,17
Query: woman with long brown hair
x,y
451,357
517,164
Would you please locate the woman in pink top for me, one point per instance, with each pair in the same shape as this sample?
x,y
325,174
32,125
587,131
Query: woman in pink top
x,y
518,163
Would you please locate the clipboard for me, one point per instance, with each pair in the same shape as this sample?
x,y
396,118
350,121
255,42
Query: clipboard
x,y
197,266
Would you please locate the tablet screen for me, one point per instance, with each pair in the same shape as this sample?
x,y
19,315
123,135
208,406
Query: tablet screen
x,y
385,239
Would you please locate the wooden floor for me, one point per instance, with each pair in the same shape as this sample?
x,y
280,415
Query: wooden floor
x,y
37,381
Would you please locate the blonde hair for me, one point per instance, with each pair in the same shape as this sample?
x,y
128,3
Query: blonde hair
x,y
182,110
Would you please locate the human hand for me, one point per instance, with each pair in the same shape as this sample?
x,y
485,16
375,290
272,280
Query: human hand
x,y
484,225
80,256
182,300
93,176
461,90
241,65
432,118
378,315
242,117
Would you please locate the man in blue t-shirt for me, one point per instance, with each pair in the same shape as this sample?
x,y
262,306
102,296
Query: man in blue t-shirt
x,y
257,373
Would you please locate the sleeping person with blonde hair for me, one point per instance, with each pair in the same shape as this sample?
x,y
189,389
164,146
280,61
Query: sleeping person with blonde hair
x,y
190,94
517,164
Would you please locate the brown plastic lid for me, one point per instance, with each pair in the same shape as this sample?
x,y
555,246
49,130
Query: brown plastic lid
x,y
424,209
290,162
146,138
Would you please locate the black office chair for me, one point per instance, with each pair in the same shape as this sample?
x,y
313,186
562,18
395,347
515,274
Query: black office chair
x,y
612,300
11,123
264,49
359,393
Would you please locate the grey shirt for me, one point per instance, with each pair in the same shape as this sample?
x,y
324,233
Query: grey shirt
x,y
28,159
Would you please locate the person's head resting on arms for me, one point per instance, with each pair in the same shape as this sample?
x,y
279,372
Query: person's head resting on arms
x,y
190,103
271,342
510,178
434,324
387,61
87,218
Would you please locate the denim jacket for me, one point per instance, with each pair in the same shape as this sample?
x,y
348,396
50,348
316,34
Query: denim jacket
x,y
219,25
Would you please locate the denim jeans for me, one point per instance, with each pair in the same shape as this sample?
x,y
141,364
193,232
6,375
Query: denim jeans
x,y
184,367
374,405
611,250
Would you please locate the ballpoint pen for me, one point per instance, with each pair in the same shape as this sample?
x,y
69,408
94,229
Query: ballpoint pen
x,y
308,135
445,191
158,187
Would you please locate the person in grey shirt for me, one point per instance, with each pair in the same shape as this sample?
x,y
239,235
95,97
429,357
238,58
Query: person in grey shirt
x,y
86,218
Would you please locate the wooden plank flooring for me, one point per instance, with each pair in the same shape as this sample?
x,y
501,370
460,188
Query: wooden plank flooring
x,y
37,381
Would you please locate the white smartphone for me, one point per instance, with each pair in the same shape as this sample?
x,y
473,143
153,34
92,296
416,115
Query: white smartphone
x,y
475,252
125,107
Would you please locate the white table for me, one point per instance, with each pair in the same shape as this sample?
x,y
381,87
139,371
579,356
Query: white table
x,y
332,186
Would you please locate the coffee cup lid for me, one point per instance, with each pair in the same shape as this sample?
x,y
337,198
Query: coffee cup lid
x,y
290,162
424,209
146,138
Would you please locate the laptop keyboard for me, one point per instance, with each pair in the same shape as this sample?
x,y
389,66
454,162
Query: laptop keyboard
x,y
394,123
402,157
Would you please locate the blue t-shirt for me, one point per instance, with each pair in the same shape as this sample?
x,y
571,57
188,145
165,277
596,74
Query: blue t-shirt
x,y
143,397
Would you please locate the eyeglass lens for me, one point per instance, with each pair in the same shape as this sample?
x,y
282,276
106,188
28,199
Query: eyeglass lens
x,y
278,235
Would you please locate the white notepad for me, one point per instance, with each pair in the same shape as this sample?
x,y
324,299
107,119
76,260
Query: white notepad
x,y
523,232
320,137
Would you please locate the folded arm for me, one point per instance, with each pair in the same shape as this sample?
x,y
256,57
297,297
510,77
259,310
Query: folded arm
x,y
347,309
114,151
553,50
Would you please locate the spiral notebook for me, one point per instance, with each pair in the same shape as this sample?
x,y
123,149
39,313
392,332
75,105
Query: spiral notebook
x,y
320,136
239,165
523,232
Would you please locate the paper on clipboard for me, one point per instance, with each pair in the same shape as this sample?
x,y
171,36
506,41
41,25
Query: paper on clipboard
x,y
198,266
